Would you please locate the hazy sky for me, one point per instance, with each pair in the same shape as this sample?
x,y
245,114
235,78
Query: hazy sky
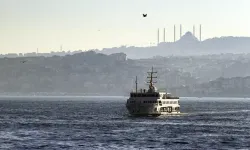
x,y
26,25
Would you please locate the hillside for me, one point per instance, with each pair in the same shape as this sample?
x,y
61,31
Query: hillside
x,y
93,73
187,45
225,87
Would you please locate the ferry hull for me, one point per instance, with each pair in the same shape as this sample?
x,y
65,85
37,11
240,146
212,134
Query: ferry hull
x,y
149,110
154,115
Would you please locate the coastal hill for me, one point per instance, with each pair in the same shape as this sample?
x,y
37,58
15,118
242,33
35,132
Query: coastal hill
x,y
221,87
91,73
186,45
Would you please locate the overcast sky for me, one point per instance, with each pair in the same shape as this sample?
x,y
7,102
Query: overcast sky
x,y
26,25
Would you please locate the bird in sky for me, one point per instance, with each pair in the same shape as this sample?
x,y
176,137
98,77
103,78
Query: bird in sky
x,y
144,15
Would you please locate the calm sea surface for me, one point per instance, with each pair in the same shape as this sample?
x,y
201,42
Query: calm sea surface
x,y
103,123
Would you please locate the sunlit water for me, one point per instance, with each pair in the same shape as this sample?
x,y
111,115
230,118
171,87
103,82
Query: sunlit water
x,y
103,123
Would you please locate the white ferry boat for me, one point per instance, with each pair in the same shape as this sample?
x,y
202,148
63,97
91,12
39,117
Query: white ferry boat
x,y
151,102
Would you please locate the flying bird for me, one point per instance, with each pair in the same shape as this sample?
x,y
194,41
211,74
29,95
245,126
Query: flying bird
x,y
144,15
24,61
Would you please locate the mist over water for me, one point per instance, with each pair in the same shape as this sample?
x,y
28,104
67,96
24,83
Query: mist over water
x,y
103,123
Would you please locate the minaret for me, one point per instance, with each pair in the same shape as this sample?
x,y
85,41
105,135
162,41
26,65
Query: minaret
x,y
193,30
200,32
174,33
180,31
164,35
158,36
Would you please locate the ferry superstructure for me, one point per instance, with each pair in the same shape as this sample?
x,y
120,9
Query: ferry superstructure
x,y
151,102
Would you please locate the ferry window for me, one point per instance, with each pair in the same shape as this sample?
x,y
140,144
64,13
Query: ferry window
x,y
159,101
171,102
167,102
175,102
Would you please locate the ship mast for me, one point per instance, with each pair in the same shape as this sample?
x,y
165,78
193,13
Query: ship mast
x,y
136,84
151,78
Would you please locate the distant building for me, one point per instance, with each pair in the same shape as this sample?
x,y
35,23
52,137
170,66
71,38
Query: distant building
x,y
33,54
119,56
11,55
